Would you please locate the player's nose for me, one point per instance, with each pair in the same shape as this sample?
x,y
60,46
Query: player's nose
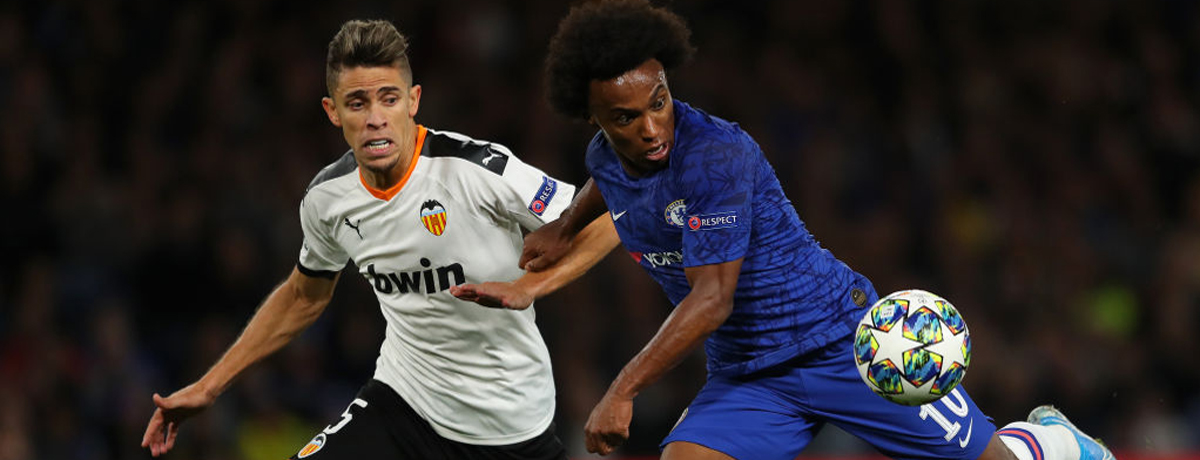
x,y
375,118
649,129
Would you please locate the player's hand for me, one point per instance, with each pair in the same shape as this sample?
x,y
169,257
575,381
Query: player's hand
x,y
545,246
171,411
608,426
493,294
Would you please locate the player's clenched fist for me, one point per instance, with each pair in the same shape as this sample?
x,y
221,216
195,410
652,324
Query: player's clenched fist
x,y
545,246
608,426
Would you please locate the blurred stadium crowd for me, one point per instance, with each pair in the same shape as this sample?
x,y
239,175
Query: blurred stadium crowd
x,y
1034,162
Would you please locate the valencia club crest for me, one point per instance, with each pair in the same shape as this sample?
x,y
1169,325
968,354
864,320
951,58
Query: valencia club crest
x,y
433,216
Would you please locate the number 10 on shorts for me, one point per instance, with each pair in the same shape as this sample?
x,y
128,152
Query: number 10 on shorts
x,y
958,406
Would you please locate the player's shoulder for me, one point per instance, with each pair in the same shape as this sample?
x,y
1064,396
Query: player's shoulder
x,y
701,125
342,167
597,152
486,155
706,138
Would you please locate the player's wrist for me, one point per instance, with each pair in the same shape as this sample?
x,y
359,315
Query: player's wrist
x,y
526,289
622,390
569,225
575,218
210,387
532,289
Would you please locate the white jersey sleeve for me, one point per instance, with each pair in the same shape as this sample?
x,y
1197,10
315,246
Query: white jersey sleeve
x,y
530,196
519,191
320,254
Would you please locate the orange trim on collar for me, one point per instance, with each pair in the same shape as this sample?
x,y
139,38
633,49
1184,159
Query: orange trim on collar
x,y
386,195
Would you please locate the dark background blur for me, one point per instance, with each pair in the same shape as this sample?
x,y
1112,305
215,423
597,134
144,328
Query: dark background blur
x,y
1035,163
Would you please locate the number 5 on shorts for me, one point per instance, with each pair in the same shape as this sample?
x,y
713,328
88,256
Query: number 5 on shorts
x,y
346,417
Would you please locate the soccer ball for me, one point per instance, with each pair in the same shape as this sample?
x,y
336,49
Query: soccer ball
x,y
912,347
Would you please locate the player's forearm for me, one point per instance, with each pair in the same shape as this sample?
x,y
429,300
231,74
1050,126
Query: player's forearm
x,y
692,321
587,205
587,249
283,315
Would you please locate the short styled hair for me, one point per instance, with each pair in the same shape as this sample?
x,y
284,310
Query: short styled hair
x,y
374,43
601,40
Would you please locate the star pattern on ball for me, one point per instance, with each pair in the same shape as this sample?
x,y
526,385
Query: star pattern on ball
x,y
892,345
950,348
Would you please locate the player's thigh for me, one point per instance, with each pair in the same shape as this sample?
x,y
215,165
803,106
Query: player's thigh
x,y
359,433
682,450
741,418
952,427
545,446
378,423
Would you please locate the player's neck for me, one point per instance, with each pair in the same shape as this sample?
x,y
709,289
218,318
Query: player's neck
x,y
383,180
636,172
386,179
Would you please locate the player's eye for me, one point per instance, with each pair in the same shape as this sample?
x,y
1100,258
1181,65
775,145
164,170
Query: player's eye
x,y
659,103
355,105
391,100
624,119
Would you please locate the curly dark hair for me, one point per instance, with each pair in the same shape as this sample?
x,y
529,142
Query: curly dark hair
x,y
600,40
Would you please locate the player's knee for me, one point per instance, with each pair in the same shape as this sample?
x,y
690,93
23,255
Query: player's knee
x,y
996,450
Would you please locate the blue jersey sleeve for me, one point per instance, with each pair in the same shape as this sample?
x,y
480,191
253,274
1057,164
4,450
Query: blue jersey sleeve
x,y
717,184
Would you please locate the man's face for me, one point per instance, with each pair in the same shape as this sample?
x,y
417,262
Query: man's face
x,y
635,113
375,107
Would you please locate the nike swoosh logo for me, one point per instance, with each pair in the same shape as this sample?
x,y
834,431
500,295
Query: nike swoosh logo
x,y
618,215
962,442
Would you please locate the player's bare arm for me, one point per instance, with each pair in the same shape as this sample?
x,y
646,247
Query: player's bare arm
x,y
287,311
548,244
586,250
700,313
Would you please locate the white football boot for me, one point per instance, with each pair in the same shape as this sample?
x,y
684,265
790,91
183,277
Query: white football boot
x,y
1089,447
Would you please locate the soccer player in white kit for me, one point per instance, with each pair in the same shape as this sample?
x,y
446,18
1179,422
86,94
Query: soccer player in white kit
x,y
417,210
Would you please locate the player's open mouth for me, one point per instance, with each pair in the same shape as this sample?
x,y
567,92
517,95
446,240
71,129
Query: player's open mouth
x,y
658,153
378,146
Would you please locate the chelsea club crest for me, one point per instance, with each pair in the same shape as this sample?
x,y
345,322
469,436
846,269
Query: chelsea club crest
x,y
674,213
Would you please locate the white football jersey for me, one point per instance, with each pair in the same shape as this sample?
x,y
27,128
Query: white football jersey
x,y
478,375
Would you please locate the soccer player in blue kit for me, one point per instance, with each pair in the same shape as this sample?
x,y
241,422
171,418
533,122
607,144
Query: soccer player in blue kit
x,y
698,206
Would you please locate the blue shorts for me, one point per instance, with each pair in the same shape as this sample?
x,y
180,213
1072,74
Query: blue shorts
x,y
776,412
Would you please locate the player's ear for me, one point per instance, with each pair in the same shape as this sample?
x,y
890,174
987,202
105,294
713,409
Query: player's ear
x,y
414,97
592,120
331,111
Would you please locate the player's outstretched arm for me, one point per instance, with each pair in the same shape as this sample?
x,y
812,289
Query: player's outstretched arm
x,y
586,250
546,245
286,312
700,313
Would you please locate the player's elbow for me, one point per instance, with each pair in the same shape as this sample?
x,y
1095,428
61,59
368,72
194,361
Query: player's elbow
x,y
304,303
311,309
721,311
714,310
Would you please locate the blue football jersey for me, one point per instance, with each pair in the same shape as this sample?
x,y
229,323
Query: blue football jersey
x,y
718,201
